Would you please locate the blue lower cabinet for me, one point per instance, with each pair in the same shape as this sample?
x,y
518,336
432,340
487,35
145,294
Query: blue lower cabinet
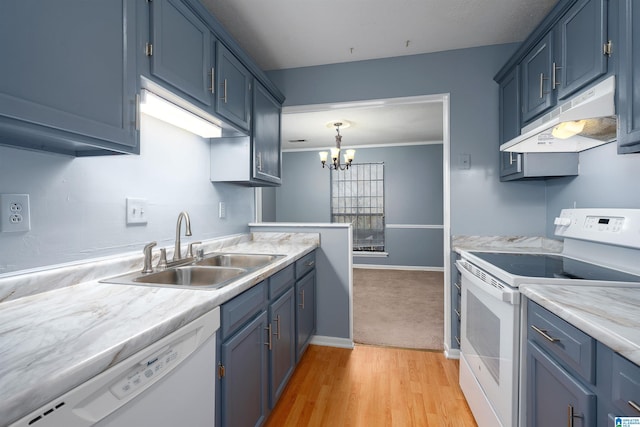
x,y
555,398
69,76
305,312
245,376
282,358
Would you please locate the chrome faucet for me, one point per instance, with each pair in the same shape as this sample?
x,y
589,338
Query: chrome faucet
x,y
177,254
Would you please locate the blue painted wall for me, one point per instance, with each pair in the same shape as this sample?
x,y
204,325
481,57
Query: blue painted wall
x,y
78,204
413,197
480,203
606,180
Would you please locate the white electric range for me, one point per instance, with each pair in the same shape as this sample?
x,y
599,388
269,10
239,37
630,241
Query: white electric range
x,y
601,247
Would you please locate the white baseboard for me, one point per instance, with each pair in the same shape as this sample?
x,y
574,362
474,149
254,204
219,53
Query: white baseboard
x,y
451,353
332,341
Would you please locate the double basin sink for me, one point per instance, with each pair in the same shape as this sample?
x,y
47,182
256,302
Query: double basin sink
x,y
213,271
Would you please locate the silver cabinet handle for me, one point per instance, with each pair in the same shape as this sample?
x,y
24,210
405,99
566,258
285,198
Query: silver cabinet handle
x,y
634,405
458,340
278,327
224,91
544,334
212,89
457,313
268,329
571,415
310,264
554,82
301,305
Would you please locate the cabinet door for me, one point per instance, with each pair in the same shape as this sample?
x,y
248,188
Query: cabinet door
x,y
628,90
305,312
182,52
537,95
582,32
244,384
233,81
283,359
555,398
267,158
509,92
68,76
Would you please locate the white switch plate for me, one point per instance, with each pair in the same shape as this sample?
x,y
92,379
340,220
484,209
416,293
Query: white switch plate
x,y
222,210
14,213
464,161
136,211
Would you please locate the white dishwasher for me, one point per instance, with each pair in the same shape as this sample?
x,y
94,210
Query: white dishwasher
x,y
170,383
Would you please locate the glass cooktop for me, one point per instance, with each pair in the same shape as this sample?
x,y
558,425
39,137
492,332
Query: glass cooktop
x,y
553,266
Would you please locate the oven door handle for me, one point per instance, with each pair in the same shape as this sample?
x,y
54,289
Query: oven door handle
x,y
505,293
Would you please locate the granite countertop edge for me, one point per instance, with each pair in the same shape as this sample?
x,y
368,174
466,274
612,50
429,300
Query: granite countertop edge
x,y
608,314
56,338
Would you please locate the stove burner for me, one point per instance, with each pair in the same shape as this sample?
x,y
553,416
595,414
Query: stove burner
x,y
553,266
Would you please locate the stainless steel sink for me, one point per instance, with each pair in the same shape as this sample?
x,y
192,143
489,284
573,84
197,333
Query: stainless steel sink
x,y
193,276
214,271
248,261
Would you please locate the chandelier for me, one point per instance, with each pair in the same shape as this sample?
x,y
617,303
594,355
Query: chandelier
x,y
349,155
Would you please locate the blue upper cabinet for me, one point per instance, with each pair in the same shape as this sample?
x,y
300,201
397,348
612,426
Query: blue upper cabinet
x,y
233,87
267,157
537,96
181,51
68,76
629,78
567,52
581,59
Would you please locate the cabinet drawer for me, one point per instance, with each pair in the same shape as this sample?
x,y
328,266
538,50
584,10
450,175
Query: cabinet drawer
x,y
282,280
305,264
625,389
570,346
242,308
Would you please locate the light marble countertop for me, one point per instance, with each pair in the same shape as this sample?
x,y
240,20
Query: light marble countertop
x,y
506,244
61,327
611,315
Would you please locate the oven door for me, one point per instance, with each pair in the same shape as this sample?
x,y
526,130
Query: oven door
x,y
490,349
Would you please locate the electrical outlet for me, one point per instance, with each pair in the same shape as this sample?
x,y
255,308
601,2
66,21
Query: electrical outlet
x,y
14,213
136,211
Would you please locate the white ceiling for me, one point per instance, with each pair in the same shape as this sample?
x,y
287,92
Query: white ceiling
x,y
282,34
384,122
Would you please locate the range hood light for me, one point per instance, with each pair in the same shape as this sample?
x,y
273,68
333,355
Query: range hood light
x,y
568,129
162,109
585,121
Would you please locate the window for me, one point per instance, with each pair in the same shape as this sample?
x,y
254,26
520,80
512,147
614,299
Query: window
x,y
357,197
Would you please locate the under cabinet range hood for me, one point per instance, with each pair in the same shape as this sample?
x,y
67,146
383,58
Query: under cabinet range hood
x,y
585,121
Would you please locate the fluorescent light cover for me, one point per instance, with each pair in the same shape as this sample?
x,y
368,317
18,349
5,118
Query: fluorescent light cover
x,y
568,129
160,108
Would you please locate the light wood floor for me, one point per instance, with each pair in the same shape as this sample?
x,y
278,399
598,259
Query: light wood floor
x,y
372,386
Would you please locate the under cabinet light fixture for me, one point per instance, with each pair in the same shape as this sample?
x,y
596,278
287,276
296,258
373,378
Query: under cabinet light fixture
x,y
162,109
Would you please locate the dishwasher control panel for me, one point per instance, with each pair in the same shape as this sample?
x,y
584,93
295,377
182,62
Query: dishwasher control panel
x,y
149,370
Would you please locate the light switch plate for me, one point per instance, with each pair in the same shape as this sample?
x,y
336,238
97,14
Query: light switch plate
x,y
222,210
464,161
136,211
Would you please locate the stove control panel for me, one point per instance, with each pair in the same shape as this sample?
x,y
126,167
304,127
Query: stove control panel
x,y
619,227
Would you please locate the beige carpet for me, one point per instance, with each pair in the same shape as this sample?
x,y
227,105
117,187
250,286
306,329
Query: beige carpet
x,y
398,308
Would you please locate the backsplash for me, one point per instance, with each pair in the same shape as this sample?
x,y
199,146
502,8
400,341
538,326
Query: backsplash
x,y
78,205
